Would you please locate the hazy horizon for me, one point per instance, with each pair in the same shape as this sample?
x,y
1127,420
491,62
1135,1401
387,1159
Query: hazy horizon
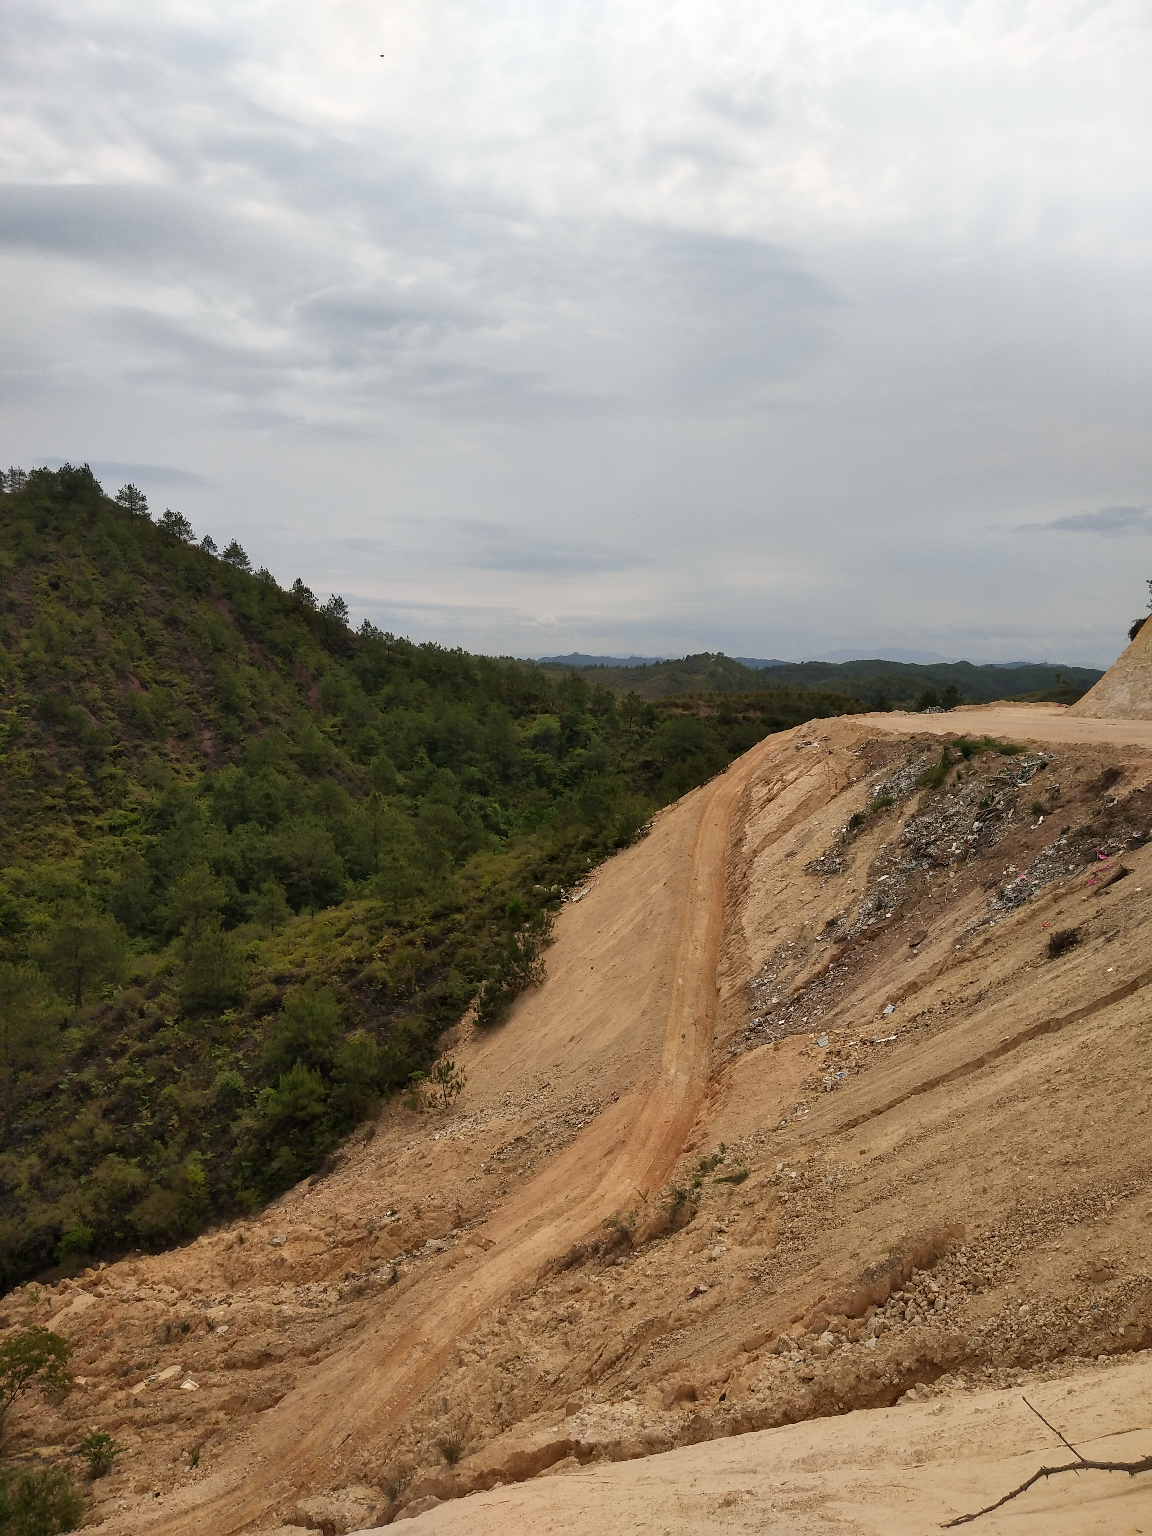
x,y
772,330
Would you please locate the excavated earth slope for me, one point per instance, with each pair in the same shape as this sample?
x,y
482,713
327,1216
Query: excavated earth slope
x,y
806,1122
1125,690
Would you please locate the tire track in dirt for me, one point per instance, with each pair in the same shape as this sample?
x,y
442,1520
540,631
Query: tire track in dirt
x,y
356,1398
1006,1046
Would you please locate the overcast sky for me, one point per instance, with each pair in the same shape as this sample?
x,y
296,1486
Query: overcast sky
x,y
537,325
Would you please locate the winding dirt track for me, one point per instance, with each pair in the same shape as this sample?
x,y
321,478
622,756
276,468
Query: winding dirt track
x,y
354,1400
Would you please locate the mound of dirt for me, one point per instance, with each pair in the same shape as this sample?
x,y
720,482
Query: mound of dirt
x,y
1125,690
806,1118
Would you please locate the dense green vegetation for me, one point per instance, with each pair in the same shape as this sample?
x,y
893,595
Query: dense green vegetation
x,y
876,684
252,862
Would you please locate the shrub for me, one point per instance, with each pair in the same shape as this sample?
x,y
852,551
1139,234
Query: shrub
x,y
445,1081
933,778
39,1503
1061,941
99,1450
519,967
451,1447
77,1241
306,1029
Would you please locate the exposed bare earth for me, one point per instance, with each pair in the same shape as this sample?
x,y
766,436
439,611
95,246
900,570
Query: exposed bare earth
x,y
934,1176
1125,690
875,1472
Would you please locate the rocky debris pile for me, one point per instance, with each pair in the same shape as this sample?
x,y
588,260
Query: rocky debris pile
x,y
355,1508
899,785
951,833
883,793
1091,849
949,830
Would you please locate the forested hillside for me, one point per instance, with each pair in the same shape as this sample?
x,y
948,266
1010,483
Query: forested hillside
x,y
254,862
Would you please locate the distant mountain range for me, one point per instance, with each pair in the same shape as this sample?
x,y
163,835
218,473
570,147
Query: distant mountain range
x,y
579,660
880,683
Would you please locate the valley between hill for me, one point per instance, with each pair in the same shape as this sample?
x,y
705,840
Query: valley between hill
x,y
805,1122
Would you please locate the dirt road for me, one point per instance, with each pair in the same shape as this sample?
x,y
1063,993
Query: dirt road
x,y
631,1146
1051,723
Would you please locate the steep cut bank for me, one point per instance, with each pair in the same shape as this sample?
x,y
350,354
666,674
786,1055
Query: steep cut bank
x,y
866,1137
1125,690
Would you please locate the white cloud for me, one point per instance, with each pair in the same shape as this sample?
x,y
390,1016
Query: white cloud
x,y
744,325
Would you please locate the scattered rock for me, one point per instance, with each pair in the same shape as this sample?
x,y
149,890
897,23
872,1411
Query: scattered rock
x,y
347,1509
419,1507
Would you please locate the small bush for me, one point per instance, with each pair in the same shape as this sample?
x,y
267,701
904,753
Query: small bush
x,y
1061,941
446,1082
39,1503
520,966
396,1482
933,778
451,1447
100,1451
732,1178
75,1243
969,749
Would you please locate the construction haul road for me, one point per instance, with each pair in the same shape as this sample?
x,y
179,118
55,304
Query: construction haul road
x,y
633,1146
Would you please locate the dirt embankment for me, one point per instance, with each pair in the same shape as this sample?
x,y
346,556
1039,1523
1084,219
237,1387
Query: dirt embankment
x,y
805,1118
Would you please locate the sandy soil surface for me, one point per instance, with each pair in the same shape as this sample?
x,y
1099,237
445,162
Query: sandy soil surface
x,y
886,1472
1022,722
806,1118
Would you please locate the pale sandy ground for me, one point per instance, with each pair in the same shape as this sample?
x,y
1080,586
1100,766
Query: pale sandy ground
x,y
883,1472
1019,722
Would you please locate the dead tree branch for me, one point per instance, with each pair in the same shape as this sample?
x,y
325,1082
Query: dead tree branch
x,y
1131,1467
1052,1427
1081,1462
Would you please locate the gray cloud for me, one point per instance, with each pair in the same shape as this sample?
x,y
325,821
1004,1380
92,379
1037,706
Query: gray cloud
x,y
1109,522
112,474
460,545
